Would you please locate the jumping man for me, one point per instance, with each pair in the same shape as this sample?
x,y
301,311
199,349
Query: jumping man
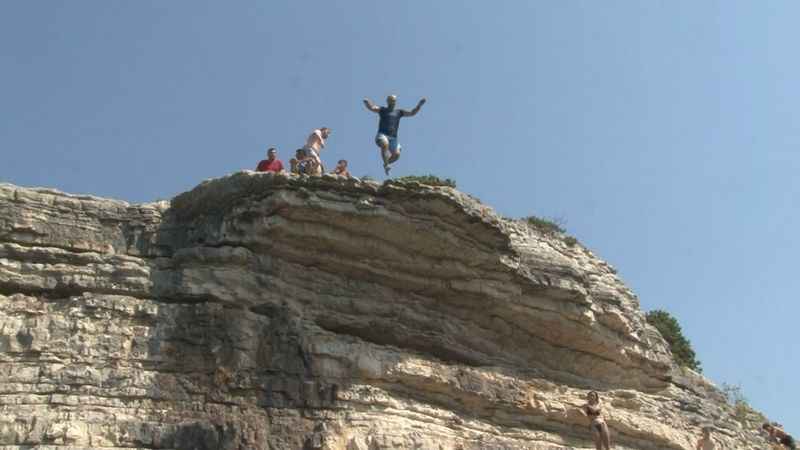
x,y
386,138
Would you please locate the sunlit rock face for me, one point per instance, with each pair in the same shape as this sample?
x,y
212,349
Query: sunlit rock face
x,y
262,311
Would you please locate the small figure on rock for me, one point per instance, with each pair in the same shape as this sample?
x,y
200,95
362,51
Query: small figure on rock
x,y
299,163
314,145
272,163
386,138
776,434
341,169
706,442
594,411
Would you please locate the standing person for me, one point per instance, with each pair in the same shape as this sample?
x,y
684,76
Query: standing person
x,y
272,163
386,138
706,442
594,411
314,145
777,434
341,169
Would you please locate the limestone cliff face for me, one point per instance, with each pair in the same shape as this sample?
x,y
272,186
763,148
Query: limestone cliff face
x,y
262,311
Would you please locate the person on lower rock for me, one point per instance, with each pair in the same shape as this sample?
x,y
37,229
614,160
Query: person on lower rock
x,y
706,442
593,409
776,434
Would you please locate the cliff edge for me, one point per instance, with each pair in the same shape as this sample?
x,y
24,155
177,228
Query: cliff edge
x,y
267,311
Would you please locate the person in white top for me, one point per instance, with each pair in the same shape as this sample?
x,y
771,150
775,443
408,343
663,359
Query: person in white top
x,y
314,145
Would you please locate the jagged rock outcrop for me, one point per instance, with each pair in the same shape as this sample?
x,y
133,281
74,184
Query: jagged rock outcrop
x,y
263,311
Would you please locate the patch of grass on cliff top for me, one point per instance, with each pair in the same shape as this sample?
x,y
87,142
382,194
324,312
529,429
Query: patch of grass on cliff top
x,y
549,227
546,226
430,180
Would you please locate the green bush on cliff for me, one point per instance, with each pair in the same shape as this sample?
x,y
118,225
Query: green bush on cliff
x,y
680,346
570,241
546,226
430,180
551,227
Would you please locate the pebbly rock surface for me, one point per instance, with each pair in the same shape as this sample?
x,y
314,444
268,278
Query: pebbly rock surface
x,y
262,311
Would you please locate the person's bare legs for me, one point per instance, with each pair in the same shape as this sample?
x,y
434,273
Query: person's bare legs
x,y
606,437
386,155
598,440
395,156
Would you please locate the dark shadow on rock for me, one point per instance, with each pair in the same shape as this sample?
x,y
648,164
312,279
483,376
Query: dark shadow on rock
x,y
234,377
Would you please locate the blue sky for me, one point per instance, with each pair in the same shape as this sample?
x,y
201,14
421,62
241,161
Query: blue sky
x,y
665,133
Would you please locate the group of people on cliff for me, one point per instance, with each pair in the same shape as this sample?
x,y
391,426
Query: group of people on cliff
x,y
593,410
308,161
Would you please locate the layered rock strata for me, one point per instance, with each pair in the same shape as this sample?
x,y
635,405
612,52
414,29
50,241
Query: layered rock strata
x,y
263,311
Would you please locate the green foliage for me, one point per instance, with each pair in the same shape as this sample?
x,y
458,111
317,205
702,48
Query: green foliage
x,y
551,227
546,226
430,180
680,346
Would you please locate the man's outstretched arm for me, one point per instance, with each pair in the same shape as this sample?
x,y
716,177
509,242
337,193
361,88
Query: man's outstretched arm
x,y
414,111
371,106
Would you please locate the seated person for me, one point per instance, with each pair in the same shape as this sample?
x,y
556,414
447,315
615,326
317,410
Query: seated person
x,y
272,163
299,164
341,169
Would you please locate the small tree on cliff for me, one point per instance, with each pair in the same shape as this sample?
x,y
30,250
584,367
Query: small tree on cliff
x,y
680,346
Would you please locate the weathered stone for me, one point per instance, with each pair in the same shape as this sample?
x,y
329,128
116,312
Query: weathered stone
x,y
263,311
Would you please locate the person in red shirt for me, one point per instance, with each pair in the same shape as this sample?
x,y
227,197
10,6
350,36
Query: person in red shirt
x,y
272,163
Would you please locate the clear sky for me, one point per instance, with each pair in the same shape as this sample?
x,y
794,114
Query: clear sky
x,y
665,133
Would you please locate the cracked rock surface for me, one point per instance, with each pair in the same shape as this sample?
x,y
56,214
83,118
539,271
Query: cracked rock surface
x,y
267,311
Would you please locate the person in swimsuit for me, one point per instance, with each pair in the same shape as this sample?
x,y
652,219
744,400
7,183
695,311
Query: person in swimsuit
x,y
705,442
594,411
776,434
314,144
386,138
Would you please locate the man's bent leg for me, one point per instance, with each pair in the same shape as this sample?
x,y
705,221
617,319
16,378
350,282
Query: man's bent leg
x,y
383,142
394,150
395,156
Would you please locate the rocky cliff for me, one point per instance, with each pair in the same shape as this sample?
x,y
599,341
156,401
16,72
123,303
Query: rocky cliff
x,y
263,311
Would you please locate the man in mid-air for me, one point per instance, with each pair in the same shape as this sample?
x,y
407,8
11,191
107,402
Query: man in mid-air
x,y
387,128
